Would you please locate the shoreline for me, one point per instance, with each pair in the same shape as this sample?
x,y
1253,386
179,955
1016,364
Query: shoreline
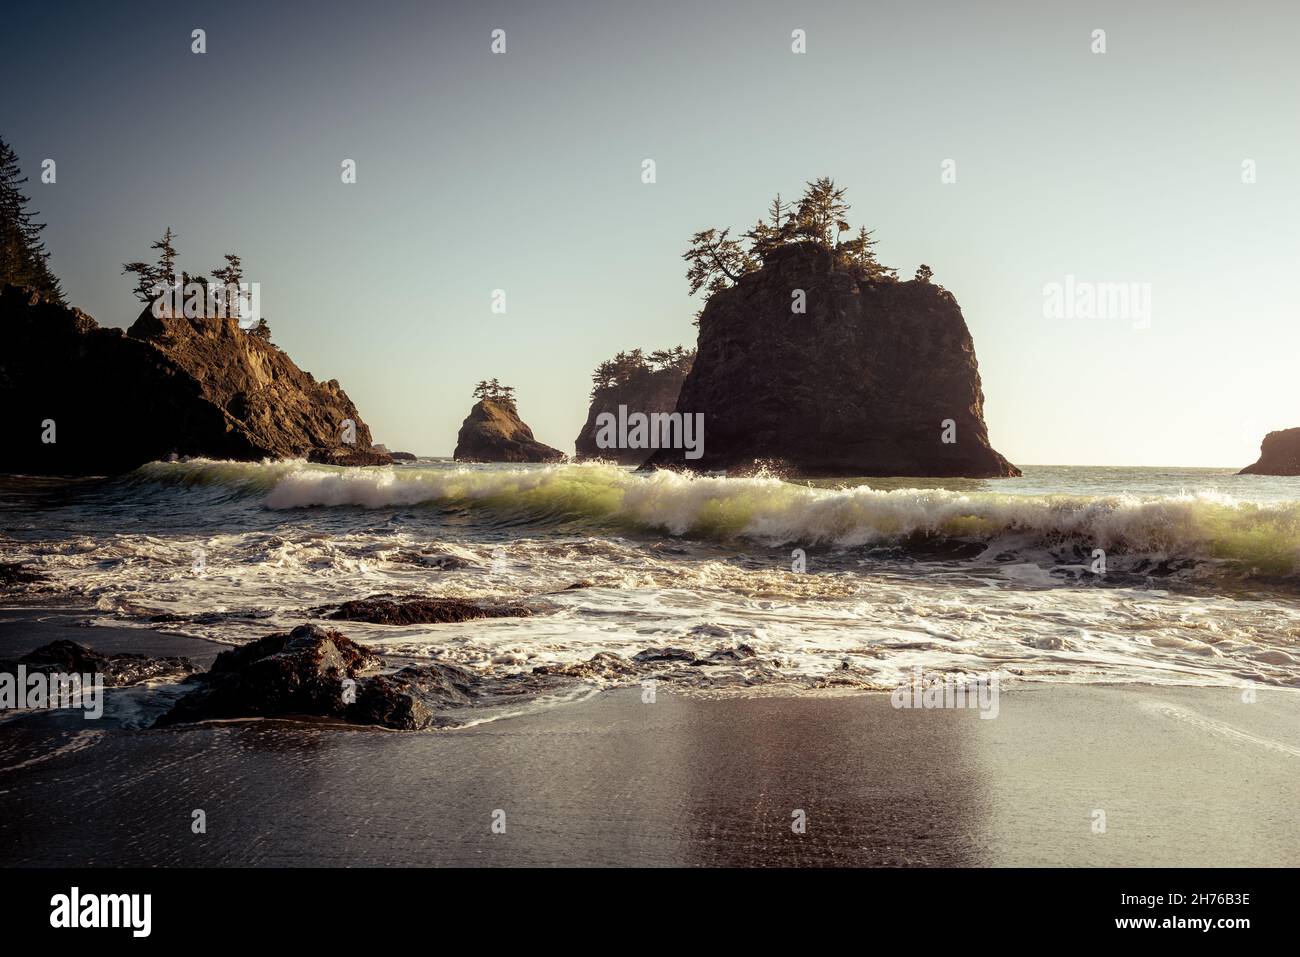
x,y
1185,777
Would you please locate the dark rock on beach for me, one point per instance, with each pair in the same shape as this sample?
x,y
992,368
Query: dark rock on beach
x,y
412,699
602,665
860,385
16,573
113,400
418,610
493,432
69,657
649,655
306,673
729,655
299,672
1279,454
718,656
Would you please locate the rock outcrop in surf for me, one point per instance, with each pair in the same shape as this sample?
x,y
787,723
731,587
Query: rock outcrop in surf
x,y
638,383
88,400
875,377
1279,454
493,432
318,673
420,610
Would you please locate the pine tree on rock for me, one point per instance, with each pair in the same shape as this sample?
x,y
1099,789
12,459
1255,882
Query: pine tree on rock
x,y
24,260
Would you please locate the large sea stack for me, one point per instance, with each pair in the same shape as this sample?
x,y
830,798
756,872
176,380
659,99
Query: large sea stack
x,y
493,432
1279,454
868,381
90,401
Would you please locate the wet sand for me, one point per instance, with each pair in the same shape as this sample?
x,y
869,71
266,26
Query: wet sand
x,y
25,629
1185,776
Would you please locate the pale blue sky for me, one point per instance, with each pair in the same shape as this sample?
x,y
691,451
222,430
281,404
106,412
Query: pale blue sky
x,y
522,172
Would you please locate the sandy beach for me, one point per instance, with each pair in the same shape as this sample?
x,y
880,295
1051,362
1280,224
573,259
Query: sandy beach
x,y
1184,776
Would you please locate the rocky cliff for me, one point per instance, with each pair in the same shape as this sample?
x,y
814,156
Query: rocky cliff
x,y
648,391
1279,454
493,432
869,381
86,400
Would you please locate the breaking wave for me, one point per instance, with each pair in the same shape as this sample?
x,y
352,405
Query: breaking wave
x,y
1206,526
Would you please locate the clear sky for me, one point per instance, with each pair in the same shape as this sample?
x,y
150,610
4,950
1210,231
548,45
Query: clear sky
x,y
522,171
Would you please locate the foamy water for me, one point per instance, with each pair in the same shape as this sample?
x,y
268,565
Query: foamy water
x,y
1201,567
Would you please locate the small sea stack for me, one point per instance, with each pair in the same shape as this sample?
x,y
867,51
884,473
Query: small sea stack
x,y
493,431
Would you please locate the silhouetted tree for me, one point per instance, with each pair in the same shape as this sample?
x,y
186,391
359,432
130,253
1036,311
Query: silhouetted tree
x,y
24,260
858,255
820,217
228,279
822,214
153,277
715,261
229,275
146,283
714,258
166,254
627,367
494,391
923,273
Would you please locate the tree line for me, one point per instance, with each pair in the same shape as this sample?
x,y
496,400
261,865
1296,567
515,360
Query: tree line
x,y
495,391
24,260
628,367
715,260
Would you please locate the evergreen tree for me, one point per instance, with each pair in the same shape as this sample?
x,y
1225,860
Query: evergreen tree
x,y
714,258
150,278
777,230
492,390
822,214
923,273
715,261
627,367
146,280
24,260
166,255
858,255
228,276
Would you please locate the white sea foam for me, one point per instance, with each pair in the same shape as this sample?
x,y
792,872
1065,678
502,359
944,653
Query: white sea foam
x,y
698,563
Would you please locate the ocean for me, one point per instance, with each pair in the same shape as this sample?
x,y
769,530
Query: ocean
x,y
1068,574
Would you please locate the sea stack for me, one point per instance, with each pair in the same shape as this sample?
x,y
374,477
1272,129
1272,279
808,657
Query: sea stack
x,y
92,401
1279,454
637,384
874,377
493,432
